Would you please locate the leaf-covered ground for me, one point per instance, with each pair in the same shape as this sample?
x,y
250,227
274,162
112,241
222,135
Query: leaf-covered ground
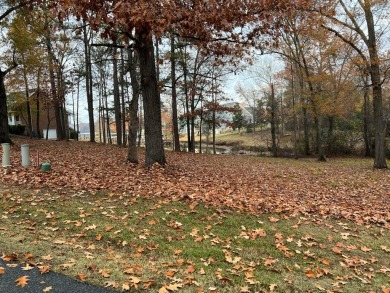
x,y
347,188
201,224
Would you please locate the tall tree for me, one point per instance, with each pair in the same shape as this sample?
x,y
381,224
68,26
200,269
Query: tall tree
x,y
117,99
5,11
203,21
355,23
88,81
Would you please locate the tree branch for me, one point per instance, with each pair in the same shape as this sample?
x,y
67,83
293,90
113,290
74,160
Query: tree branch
x,y
345,40
14,65
12,9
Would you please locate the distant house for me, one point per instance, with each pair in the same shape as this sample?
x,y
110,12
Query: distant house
x,y
17,113
14,118
224,119
228,115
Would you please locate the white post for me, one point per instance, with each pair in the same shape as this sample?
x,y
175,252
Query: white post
x,y
6,157
25,148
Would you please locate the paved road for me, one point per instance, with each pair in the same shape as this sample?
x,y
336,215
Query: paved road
x,y
59,283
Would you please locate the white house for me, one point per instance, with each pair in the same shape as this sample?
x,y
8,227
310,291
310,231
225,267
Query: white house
x,y
14,119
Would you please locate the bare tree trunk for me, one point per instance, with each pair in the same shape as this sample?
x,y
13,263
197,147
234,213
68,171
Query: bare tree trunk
x,y
187,105
38,97
77,108
132,154
122,77
38,114
379,120
154,148
27,97
4,131
117,101
367,121
273,121
176,138
88,84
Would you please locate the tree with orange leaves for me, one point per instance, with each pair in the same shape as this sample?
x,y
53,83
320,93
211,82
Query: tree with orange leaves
x,y
228,27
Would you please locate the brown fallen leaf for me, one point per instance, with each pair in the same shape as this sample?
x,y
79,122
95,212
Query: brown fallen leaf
x,y
27,267
104,273
163,290
44,269
47,257
126,286
2,271
22,281
336,250
82,277
9,257
273,219
365,249
385,289
310,274
170,273
174,287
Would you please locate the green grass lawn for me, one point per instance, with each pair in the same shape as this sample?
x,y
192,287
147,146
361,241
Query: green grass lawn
x,y
127,242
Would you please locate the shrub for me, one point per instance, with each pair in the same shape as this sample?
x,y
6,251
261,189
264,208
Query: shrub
x,y
17,129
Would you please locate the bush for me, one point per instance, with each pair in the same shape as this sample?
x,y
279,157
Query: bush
x,y
73,134
17,129
342,143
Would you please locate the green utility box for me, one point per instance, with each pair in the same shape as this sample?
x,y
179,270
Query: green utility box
x,y
45,167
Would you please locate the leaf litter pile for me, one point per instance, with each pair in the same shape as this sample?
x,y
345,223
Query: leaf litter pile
x,y
354,192
277,201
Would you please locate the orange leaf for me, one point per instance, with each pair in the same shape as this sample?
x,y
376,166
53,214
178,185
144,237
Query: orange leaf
x,y
2,270
365,249
385,289
82,277
104,273
170,273
190,269
336,250
44,269
310,274
22,281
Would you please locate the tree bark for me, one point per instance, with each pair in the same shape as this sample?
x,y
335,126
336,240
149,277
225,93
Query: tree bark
x,y
176,138
154,148
4,131
88,81
367,121
27,96
117,102
123,109
132,153
273,121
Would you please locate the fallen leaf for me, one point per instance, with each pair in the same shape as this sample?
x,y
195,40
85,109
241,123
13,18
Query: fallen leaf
x,y
27,267
22,281
174,287
365,249
82,277
43,269
310,274
104,273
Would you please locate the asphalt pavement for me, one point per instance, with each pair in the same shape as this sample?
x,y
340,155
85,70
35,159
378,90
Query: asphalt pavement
x,y
49,282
